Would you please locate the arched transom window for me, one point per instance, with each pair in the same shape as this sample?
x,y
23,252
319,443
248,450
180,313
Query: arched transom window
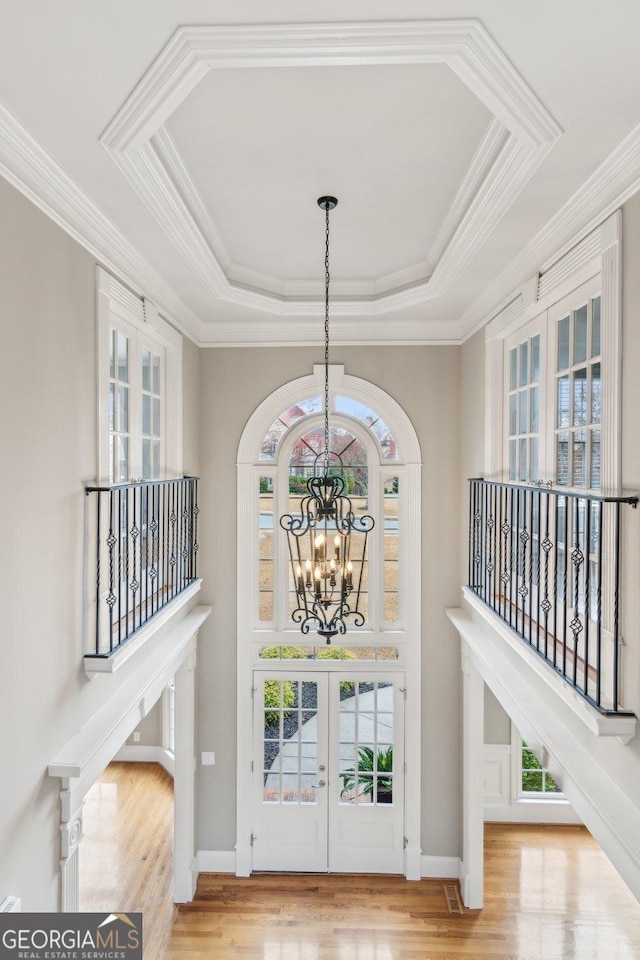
x,y
365,451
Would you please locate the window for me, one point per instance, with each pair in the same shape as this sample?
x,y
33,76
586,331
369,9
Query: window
x,y
140,374
365,452
553,394
578,395
536,783
525,397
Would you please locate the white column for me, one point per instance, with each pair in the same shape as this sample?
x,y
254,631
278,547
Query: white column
x,y
70,836
185,871
472,867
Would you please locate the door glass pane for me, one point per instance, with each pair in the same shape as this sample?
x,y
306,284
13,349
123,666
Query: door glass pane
x,y
156,417
596,393
524,363
391,558
290,742
146,373
580,335
513,368
595,327
535,358
580,397
123,409
366,744
522,401
513,414
146,414
512,459
146,459
563,402
265,550
562,459
123,358
535,401
121,466
534,459
563,343
595,459
522,471
155,380
580,458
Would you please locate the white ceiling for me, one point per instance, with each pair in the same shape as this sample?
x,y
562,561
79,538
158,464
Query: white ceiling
x,y
186,145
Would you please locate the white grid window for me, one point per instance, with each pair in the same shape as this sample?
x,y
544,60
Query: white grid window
x,y
578,397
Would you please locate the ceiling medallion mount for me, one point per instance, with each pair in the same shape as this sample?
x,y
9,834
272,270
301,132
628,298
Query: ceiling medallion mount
x,y
327,203
326,566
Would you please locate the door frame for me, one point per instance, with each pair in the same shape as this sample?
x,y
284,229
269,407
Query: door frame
x,y
328,739
409,639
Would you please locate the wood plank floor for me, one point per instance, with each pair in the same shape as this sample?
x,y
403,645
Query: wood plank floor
x,y
550,894
126,856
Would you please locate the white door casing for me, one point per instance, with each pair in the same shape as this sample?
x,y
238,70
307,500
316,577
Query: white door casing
x,y
315,807
250,637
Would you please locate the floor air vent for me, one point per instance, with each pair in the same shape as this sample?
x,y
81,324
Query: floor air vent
x,y
10,905
452,897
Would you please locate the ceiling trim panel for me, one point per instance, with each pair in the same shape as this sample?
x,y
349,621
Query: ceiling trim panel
x,y
516,142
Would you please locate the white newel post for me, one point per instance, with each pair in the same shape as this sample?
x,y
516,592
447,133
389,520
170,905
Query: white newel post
x,y
70,837
472,867
185,871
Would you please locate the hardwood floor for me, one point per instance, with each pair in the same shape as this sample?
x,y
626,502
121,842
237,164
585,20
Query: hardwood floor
x,y
550,894
126,856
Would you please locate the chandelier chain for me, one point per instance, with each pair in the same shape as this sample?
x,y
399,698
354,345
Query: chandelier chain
x,y
326,341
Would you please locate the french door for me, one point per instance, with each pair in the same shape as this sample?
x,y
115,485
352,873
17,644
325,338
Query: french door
x,y
328,771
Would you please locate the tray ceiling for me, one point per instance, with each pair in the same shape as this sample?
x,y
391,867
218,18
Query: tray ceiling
x,y
186,151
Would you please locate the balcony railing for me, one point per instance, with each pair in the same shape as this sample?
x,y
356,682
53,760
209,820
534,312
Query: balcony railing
x,y
143,548
547,562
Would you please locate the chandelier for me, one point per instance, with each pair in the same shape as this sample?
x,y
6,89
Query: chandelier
x,y
327,575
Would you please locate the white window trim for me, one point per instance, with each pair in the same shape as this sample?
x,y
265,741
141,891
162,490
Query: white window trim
x,y
517,793
249,469
598,253
114,300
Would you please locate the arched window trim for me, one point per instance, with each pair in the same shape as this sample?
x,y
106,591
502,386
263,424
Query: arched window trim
x,y
340,384
408,467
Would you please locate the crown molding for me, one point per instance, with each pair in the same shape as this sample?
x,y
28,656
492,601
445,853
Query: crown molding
x,y
516,142
615,180
364,331
28,167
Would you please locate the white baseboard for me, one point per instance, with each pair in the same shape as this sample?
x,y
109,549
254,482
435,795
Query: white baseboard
x,y
224,861
448,868
216,861
532,811
139,753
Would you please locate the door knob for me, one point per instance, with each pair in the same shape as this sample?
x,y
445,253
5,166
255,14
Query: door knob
x,y
322,783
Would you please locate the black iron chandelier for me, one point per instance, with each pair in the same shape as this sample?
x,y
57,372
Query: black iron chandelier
x,y
327,575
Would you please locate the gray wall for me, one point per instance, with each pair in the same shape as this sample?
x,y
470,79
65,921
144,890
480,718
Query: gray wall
x,y
426,382
48,447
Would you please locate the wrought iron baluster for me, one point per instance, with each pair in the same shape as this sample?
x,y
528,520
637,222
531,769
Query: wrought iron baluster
x,y
616,611
577,558
587,592
603,512
523,540
546,604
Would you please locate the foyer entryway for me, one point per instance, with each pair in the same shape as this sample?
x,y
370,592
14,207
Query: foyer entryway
x,y
328,771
